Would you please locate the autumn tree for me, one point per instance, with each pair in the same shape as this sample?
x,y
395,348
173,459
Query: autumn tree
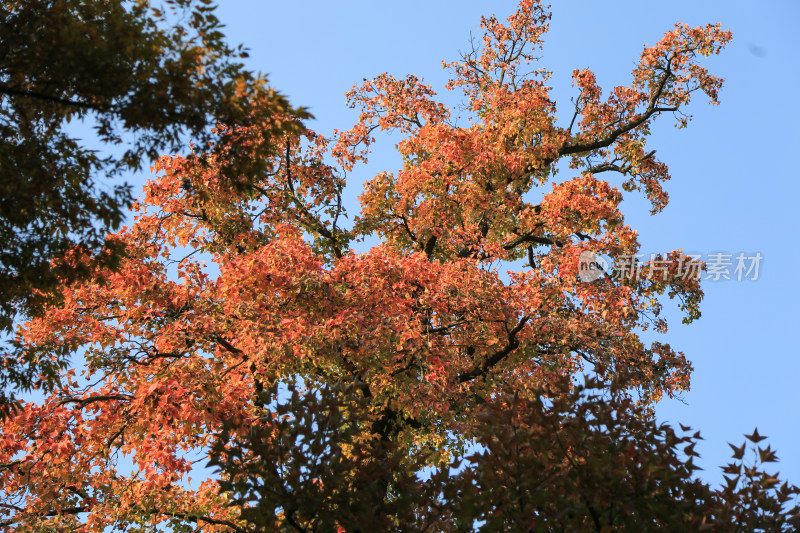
x,y
146,77
575,457
396,361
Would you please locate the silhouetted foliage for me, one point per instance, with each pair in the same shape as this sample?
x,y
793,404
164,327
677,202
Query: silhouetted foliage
x,y
569,458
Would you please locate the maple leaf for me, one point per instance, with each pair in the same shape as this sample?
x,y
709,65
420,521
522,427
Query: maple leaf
x,y
738,453
755,437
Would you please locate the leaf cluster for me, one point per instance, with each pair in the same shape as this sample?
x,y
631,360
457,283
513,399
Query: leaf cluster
x,y
588,458
145,78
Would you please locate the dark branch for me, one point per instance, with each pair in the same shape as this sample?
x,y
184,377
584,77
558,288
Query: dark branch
x,y
494,359
100,398
4,89
651,110
527,238
429,246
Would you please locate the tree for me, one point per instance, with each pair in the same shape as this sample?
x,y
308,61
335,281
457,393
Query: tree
x,y
395,361
144,77
575,458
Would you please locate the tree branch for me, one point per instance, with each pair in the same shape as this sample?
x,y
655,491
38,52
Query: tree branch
x,y
100,398
651,110
485,366
4,89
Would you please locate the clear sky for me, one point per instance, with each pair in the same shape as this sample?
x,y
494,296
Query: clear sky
x,y
734,187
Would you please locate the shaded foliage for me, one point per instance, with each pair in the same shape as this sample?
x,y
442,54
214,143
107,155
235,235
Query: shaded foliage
x,y
307,464
572,458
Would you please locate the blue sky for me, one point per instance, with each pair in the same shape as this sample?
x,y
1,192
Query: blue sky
x,y
733,188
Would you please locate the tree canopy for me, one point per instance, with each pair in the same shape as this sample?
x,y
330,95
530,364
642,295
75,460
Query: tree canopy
x,y
413,386
145,78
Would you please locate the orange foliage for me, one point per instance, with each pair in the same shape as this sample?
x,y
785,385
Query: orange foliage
x,y
227,288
